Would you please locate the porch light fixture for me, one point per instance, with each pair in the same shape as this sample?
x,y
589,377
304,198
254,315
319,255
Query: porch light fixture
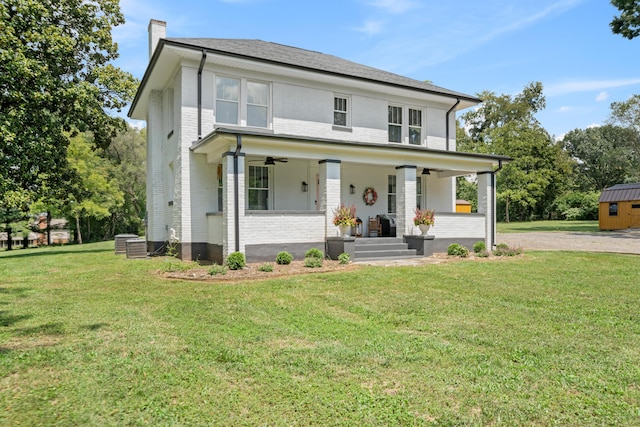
x,y
352,189
305,187
426,171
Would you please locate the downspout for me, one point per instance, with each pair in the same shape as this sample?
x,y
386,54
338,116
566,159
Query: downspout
x,y
236,192
493,200
202,61
447,119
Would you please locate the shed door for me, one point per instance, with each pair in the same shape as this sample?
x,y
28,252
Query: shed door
x,y
634,220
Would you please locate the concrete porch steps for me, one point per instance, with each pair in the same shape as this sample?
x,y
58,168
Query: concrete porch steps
x,y
373,248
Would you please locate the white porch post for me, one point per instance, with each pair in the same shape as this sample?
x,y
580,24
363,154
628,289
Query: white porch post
x,y
486,206
405,199
229,203
329,192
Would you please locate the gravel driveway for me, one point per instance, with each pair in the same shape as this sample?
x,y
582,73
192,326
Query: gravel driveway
x,y
624,241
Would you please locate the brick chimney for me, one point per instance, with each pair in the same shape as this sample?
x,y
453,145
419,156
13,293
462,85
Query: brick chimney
x,y
157,31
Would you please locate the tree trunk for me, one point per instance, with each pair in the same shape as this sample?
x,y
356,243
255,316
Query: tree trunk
x,y
506,208
78,235
48,228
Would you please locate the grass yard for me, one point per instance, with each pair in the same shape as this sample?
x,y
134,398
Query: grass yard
x,y
568,226
91,338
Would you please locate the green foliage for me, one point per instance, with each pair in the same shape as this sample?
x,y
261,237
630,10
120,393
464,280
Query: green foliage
x,y
236,261
56,77
467,190
314,253
576,205
483,254
502,249
456,249
344,258
606,155
479,246
284,258
506,125
217,269
627,24
266,267
313,262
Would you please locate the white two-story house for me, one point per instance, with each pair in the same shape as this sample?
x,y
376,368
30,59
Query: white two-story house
x,y
252,145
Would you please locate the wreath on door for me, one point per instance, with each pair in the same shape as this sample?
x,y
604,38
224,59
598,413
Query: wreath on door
x,y
370,196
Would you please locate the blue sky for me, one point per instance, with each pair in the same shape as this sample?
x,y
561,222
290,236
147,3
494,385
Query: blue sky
x,y
467,46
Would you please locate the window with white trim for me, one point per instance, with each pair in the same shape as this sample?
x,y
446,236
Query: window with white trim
x,y
419,192
227,100
258,188
391,194
395,124
341,111
257,104
415,126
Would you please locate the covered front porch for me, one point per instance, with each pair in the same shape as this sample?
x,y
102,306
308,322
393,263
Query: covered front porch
x,y
276,193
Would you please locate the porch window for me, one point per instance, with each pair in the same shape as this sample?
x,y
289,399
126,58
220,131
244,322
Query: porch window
x,y
395,124
257,104
419,192
258,188
391,194
219,173
415,127
227,100
613,209
340,111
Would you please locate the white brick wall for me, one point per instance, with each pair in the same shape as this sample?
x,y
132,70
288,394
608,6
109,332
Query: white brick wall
x,y
405,200
458,225
485,206
156,203
293,227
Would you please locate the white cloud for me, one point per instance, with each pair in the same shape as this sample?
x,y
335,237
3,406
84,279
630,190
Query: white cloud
x,y
588,86
594,125
564,109
394,6
602,96
371,28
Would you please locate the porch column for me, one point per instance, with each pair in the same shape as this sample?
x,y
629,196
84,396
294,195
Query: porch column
x,y
405,199
486,206
229,204
329,193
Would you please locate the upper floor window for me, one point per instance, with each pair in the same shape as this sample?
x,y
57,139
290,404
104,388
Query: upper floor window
x,y
242,102
395,123
340,111
415,126
257,104
227,100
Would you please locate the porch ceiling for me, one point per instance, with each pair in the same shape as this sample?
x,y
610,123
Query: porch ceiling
x,y
262,143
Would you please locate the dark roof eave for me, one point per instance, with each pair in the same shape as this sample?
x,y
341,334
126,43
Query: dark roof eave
x,y
249,132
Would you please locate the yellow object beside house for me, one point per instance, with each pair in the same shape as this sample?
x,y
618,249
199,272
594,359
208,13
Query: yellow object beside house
x,y
463,206
620,207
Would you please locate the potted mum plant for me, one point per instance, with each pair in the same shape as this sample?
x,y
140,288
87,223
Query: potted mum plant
x,y
345,218
424,219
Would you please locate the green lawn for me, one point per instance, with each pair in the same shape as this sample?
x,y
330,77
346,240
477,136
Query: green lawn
x,y
524,227
91,338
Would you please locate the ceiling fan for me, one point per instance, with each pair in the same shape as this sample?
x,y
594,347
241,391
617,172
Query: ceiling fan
x,y
272,160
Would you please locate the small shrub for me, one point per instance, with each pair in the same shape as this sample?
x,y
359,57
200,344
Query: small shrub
x,y
266,267
236,261
314,253
344,258
313,262
483,254
456,249
284,258
216,269
479,247
502,249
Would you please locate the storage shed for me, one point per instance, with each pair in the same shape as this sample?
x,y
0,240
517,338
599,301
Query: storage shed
x,y
620,207
463,206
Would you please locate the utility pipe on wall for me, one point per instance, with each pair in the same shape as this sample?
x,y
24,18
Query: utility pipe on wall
x,y
202,61
447,120
236,191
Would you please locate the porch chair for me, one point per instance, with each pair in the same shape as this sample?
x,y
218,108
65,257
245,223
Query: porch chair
x,y
374,224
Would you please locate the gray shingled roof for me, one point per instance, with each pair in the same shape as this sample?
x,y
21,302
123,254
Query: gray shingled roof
x,y
620,193
310,60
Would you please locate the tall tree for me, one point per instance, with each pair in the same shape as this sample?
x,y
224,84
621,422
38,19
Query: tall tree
x,y
55,77
626,113
506,124
627,24
605,155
